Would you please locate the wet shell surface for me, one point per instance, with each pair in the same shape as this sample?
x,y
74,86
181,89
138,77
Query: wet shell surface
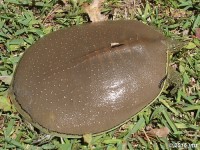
x,y
89,78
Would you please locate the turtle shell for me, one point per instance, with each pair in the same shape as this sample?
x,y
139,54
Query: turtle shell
x,y
89,78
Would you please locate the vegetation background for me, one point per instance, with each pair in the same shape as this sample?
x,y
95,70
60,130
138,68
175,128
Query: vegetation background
x,y
171,122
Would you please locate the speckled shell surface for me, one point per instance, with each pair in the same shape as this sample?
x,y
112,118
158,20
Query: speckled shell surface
x,y
74,82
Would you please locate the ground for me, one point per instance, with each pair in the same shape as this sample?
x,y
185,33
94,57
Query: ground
x,y
171,122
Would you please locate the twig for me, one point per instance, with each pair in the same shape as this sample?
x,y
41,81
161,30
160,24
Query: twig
x,y
147,136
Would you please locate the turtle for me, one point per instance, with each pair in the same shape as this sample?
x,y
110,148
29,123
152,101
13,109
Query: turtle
x,y
90,78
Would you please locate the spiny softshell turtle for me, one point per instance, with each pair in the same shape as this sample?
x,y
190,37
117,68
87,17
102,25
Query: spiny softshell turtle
x,y
89,78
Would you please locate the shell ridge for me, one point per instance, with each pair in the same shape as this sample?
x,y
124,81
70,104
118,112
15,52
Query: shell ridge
x,y
78,61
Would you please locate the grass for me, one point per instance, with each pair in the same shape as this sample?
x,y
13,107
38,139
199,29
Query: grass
x,y
24,22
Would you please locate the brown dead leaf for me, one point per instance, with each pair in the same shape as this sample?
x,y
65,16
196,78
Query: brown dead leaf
x,y
94,12
178,13
185,32
162,132
6,79
2,48
192,81
197,33
1,122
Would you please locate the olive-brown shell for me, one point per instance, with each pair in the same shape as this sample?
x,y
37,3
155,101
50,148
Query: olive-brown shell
x,y
90,78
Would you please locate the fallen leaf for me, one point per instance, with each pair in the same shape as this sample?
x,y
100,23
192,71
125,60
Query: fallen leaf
x,y
5,104
185,32
192,81
178,13
94,12
197,33
6,79
2,119
190,45
162,132
87,138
